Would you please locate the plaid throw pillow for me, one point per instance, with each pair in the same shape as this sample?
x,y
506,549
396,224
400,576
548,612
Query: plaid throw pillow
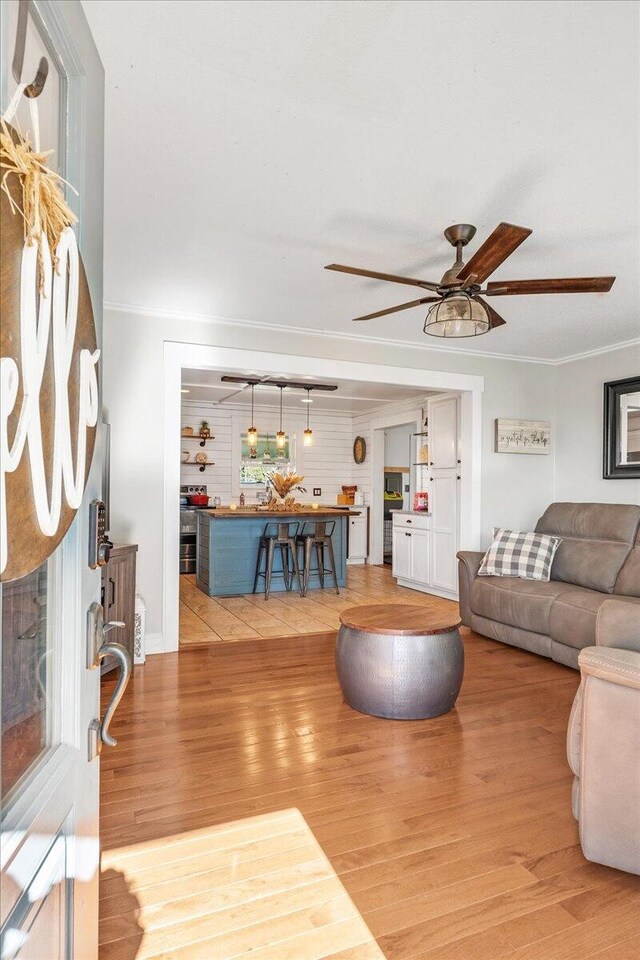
x,y
517,554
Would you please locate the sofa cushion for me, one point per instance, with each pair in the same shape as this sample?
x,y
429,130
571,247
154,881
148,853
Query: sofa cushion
x,y
573,616
596,540
516,553
520,603
628,582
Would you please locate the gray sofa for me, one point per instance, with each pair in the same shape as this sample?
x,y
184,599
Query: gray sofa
x,y
599,558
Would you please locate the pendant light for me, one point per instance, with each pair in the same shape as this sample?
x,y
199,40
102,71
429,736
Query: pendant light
x,y
252,432
308,434
281,438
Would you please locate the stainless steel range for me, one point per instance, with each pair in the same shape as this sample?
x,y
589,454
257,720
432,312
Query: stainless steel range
x,y
189,526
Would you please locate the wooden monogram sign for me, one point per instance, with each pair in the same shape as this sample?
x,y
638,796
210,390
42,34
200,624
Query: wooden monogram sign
x,y
49,400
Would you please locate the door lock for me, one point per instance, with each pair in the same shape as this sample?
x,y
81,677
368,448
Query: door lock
x,y
99,543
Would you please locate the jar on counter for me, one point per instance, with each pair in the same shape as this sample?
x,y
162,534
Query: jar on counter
x,y
421,501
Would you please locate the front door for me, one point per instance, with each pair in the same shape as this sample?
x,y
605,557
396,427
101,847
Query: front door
x,y
49,784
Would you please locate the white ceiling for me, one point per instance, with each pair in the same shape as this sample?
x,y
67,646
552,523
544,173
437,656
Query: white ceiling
x,y
351,398
249,143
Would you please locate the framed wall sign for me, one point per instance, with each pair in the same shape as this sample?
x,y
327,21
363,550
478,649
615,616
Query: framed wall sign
x,y
621,434
523,436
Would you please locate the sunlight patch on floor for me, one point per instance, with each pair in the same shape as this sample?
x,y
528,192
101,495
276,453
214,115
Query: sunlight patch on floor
x,y
259,887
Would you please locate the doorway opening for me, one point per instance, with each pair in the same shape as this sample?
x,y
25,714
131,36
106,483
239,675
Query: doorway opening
x,y
198,369
397,493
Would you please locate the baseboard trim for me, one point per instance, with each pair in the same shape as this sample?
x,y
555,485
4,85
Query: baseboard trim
x,y
153,643
412,585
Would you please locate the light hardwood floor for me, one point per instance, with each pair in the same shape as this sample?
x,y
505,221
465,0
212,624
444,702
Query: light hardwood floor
x,y
205,620
453,836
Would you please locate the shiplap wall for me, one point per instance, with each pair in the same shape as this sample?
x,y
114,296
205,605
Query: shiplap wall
x,y
216,477
328,464
361,473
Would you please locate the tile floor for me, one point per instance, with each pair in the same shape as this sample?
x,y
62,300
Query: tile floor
x,y
205,620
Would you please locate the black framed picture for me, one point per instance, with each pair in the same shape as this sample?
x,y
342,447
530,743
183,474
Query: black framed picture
x,y
621,433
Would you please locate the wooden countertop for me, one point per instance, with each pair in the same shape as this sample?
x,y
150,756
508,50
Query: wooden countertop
x,y
399,619
224,513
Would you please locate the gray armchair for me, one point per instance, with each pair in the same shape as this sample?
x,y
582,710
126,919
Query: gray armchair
x,y
603,741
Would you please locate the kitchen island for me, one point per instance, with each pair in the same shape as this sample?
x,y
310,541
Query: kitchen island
x,y
227,546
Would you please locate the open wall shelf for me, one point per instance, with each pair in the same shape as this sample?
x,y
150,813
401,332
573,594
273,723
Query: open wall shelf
x,y
194,463
196,436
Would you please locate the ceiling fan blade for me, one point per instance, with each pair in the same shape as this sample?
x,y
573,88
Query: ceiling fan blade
x,y
402,306
391,277
494,318
566,285
497,247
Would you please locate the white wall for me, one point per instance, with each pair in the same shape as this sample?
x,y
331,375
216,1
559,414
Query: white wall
x,y
397,441
326,464
515,489
579,424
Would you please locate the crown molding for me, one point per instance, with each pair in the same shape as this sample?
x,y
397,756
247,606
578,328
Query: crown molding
x,y
210,319
596,353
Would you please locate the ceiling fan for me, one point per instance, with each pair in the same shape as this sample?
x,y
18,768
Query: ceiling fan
x,y
458,308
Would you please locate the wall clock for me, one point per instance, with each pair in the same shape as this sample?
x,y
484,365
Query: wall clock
x,y
359,449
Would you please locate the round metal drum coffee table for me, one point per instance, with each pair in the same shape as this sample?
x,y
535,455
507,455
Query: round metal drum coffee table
x,y
398,661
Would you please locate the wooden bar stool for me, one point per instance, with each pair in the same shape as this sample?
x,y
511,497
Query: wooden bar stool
x,y
282,535
318,535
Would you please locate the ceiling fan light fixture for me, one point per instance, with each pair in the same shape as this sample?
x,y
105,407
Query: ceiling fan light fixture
x,y
457,316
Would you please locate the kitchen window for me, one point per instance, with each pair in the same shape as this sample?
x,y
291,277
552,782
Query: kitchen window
x,y
257,460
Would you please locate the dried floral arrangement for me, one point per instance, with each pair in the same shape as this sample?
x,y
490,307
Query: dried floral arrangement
x,y
283,484
44,209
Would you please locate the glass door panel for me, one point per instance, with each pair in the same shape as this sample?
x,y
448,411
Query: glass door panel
x,y
28,662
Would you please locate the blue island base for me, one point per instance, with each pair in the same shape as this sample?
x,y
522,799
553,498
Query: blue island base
x,y
227,549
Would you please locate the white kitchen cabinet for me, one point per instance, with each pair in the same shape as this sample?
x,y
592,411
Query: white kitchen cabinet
x,y
358,537
444,528
401,555
411,550
420,560
443,433
426,560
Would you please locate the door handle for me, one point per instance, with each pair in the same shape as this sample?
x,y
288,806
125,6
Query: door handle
x,y
97,649
123,655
